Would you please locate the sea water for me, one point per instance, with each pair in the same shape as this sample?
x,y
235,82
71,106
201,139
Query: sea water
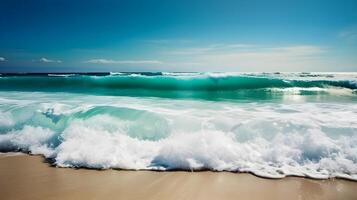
x,y
269,124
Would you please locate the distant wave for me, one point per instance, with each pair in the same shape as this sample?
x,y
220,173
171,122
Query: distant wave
x,y
177,81
61,75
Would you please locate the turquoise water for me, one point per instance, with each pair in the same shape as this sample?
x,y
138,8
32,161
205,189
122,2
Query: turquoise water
x,y
212,86
269,124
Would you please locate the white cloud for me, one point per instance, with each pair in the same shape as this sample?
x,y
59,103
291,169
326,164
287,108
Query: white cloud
x,y
246,57
211,49
168,41
106,61
297,57
192,51
350,35
240,45
46,60
2,59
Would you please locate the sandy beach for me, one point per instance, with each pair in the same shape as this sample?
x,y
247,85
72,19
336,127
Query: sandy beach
x,y
30,177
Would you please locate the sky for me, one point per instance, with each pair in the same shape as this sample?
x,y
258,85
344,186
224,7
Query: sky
x,y
178,36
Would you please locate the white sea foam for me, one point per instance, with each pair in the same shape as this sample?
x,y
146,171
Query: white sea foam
x,y
31,139
116,73
61,75
269,139
328,90
6,119
311,154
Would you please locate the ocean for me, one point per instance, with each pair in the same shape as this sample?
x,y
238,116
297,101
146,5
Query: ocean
x,y
269,124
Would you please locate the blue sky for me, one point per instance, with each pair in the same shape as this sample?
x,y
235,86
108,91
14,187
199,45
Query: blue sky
x,y
186,35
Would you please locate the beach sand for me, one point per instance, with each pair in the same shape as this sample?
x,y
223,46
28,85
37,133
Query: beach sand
x,y
30,177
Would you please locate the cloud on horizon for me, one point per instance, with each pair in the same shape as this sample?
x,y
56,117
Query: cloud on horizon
x,y
2,59
350,34
290,56
46,60
211,49
233,57
109,61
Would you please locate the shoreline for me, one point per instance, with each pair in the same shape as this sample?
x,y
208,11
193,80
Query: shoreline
x,y
50,164
31,177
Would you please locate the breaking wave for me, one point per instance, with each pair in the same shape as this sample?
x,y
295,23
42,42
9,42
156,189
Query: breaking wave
x,y
269,139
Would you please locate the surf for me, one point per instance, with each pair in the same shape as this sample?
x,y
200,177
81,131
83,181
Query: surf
x,y
269,124
269,139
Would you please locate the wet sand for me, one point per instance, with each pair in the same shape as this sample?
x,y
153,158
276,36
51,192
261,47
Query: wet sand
x,y
30,177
